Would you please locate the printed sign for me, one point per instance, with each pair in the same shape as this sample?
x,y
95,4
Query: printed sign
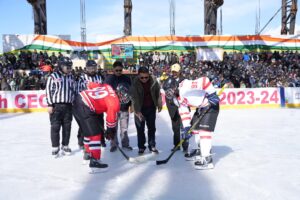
x,y
22,101
123,51
250,97
209,54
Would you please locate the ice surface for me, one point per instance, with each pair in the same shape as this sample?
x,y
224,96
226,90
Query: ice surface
x,y
257,156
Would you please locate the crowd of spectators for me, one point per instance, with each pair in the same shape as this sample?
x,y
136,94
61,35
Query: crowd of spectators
x,y
238,70
29,70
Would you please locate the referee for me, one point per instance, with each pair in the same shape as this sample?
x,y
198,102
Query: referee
x,y
90,75
60,90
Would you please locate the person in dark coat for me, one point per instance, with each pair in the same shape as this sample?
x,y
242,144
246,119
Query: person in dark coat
x,y
146,99
170,86
121,84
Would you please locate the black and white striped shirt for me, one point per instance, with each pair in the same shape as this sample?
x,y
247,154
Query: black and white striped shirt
x,y
60,88
85,79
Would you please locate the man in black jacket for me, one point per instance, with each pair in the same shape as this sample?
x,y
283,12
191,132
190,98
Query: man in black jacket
x,y
170,86
121,83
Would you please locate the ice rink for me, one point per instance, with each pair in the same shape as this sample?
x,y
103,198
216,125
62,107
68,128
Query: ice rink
x,y
256,156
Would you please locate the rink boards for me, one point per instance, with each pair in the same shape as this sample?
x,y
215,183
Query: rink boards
x,y
230,98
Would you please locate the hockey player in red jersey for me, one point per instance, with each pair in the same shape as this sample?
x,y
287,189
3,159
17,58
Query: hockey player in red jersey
x,y
97,99
201,94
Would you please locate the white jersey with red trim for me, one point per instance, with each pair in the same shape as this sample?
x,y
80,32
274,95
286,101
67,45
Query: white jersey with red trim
x,y
193,93
102,98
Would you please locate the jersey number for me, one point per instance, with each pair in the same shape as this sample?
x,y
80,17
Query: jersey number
x,y
98,93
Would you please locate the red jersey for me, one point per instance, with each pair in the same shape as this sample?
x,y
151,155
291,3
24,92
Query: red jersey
x,y
102,98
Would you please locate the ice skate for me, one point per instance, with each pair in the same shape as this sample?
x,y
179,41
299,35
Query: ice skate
x,y
204,163
141,151
153,150
97,166
190,156
55,152
66,150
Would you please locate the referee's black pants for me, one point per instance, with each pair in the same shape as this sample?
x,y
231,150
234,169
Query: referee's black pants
x,y
61,117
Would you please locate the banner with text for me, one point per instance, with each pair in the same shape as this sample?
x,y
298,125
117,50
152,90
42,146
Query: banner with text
x,y
35,101
250,98
23,101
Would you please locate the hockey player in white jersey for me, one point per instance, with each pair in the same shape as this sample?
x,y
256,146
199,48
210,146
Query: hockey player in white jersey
x,y
201,94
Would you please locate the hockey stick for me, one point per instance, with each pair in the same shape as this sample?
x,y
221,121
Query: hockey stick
x,y
138,159
160,162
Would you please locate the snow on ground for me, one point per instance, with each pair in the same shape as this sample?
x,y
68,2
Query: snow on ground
x,y
257,156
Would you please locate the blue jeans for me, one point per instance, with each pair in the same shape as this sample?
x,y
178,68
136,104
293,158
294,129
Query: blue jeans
x,y
123,119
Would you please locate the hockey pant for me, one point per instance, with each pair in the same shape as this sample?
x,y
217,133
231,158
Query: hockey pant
x,y
92,146
80,135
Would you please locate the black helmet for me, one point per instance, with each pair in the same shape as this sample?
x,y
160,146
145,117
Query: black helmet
x,y
91,63
122,91
65,62
170,83
91,67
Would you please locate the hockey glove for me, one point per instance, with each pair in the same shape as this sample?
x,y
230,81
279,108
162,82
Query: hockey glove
x,y
110,133
186,133
213,99
170,93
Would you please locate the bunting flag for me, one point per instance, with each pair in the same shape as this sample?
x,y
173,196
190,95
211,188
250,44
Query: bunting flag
x,y
166,43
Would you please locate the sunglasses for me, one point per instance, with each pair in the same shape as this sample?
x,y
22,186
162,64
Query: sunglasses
x,y
144,77
118,70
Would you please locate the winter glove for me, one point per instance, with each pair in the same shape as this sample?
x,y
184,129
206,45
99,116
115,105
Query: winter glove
x,y
110,133
170,93
213,99
186,134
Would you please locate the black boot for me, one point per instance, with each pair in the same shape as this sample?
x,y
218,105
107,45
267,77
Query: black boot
x,y
190,156
97,166
55,152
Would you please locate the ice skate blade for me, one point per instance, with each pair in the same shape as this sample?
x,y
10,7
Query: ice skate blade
x,y
98,170
66,153
142,158
204,167
190,158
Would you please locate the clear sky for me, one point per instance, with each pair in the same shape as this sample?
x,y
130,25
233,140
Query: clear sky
x,y
149,17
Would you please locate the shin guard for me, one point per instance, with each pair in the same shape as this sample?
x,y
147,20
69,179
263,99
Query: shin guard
x,y
94,146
